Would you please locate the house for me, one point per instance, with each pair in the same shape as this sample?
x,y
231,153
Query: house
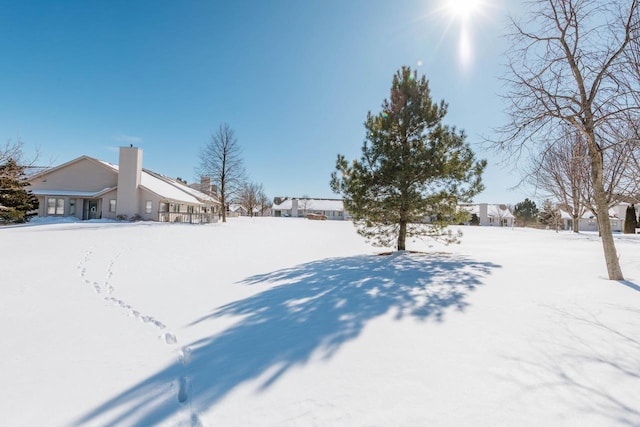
x,y
332,209
88,188
490,215
589,222
236,210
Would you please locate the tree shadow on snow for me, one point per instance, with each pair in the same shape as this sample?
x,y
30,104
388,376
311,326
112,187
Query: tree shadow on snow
x,y
630,285
310,310
589,366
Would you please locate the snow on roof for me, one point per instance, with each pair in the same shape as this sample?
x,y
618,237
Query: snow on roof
x,y
565,215
494,211
168,188
497,211
172,189
312,205
590,215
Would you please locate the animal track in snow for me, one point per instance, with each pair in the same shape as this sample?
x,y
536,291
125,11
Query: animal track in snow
x,y
105,288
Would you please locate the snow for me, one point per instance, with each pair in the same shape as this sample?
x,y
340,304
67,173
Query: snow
x,y
282,321
166,187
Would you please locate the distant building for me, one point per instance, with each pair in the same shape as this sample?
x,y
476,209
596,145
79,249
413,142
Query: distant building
x,y
331,209
589,222
492,215
88,188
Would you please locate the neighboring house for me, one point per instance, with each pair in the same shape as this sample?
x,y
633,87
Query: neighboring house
x,y
88,188
491,215
236,210
589,222
332,209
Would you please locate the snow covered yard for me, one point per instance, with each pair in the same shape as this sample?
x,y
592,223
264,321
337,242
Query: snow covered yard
x,y
273,321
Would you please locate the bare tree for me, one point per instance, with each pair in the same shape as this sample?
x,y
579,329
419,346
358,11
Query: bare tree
x,y
263,201
221,160
11,150
305,204
250,196
562,171
14,150
570,65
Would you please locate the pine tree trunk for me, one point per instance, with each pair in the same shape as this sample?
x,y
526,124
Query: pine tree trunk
x,y
402,236
604,224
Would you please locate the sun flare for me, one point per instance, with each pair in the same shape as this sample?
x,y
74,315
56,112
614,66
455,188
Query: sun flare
x,y
465,15
462,9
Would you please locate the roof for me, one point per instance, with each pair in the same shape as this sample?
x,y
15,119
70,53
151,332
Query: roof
x,y
312,205
172,189
494,211
71,193
565,215
590,215
163,186
235,207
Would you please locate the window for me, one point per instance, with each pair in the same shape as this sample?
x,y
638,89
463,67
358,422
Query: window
x,y
148,206
72,206
112,205
55,206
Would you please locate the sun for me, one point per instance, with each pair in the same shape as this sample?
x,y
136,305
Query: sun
x,y
462,9
464,14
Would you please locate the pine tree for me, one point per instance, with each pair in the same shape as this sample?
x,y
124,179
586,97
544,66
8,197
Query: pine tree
x,y
475,220
525,211
413,171
17,203
630,220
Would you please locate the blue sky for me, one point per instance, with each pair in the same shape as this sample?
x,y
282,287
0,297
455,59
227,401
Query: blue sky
x,y
294,79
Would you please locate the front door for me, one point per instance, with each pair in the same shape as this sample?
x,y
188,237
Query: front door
x,y
90,209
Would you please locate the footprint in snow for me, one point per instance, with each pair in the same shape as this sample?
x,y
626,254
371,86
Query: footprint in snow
x,y
170,338
183,390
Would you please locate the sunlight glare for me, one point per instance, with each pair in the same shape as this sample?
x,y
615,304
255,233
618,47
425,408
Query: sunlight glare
x,y
465,49
465,14
462,9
